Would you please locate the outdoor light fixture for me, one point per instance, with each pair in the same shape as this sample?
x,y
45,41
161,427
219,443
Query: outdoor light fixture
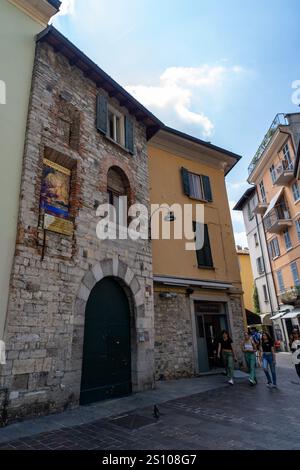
x,y
168,295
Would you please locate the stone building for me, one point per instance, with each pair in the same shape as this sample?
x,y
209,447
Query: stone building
x,y
86,144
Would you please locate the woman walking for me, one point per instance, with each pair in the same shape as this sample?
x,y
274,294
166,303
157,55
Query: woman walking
x,y
226,348
249,349
295,348
269,359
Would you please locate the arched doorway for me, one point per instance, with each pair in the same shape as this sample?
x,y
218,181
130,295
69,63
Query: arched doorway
x,y
106,366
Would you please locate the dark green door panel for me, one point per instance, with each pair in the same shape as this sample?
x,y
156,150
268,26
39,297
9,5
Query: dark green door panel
x,y
106,367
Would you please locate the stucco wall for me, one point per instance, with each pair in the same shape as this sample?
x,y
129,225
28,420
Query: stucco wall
x,y
17,46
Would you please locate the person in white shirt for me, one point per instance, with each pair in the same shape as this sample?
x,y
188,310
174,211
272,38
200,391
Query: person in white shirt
x,y
295,348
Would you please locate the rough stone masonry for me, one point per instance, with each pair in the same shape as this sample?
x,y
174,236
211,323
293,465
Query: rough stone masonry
x,y
53,274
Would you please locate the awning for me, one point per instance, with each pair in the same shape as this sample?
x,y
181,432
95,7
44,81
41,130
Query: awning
x,y
273,202
184,282
278,315
292,314
252,318
266,319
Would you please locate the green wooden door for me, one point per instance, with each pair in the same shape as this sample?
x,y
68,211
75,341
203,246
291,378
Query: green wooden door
x,y
106,367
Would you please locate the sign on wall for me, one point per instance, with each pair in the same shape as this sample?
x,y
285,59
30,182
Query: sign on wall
x,y
55,198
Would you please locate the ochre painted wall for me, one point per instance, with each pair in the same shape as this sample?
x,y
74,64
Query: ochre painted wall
x,y
170,256
17,47
247,280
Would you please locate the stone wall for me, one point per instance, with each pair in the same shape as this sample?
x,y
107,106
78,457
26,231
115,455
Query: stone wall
x,y
173,337
52,274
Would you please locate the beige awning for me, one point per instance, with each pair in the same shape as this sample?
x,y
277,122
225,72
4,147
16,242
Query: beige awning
x,y
274,201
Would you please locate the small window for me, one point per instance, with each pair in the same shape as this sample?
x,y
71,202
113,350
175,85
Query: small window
x,y
204,256
260,265
287,156
296,191
280,281
116,126
274,249
256,239
196,186
298,228
295,274
266,297
262,192
287,239
273,173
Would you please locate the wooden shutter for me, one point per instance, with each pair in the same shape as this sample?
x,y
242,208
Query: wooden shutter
x,y
204,256
129,135
206,188
185,181
102,114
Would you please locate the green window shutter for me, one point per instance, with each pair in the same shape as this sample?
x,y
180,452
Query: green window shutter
x,y
204,256
129,135
185,181
102,114
207,188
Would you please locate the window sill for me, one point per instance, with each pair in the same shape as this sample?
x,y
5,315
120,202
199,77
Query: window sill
x,y
297,202
211,268
120,146
200,200
289,249
275,258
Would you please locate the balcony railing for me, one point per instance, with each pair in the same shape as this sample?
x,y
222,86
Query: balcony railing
x,y
284,173
280,120
277,220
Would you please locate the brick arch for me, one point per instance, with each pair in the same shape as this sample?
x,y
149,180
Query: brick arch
x,y
111,161
109,267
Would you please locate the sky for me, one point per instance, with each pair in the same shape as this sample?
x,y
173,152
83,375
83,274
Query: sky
x,y
217,69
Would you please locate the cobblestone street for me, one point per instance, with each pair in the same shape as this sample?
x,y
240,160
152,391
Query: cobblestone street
x,y
220,417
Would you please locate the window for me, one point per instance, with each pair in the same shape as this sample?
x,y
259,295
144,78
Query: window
x,y
273,173
262,191
287,155
115,125
260,265
298,228
280,281
196,186
287,240
117,188
274,248
256,239
295,274
296,191
266,298
204,256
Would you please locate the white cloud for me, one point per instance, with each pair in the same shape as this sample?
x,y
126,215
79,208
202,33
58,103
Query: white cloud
x,y
177,88
241,239
67,7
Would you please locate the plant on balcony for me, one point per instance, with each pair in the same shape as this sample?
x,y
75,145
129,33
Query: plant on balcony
x,y
291,296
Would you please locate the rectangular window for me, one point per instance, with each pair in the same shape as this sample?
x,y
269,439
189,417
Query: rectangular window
x,y
196,186
298,228
295,274
116,126
287,155
262,192
273,173
274,249
266,298
296,191
256,239
204,256
287,239
280,281
260,265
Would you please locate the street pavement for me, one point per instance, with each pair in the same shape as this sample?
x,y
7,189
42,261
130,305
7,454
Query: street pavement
x,y
194,414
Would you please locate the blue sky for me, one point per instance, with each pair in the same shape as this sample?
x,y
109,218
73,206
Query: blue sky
x,y
217,69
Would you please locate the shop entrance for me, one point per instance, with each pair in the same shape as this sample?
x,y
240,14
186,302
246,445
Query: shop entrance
x,y
211,319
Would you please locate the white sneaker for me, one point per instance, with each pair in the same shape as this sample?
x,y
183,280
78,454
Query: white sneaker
x,y
269,385
231,382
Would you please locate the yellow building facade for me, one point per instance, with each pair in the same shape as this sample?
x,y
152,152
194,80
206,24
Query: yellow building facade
x,y
197,293
20,22
246,278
